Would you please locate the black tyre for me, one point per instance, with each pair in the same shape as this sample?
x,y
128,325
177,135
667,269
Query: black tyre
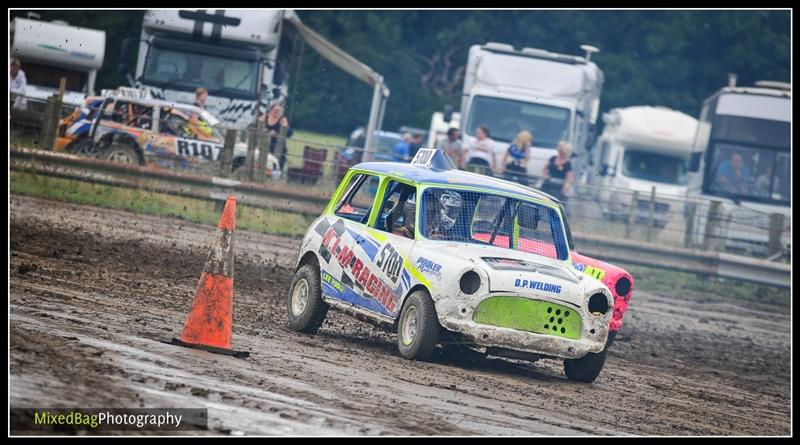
x,y
417,327
124,154
83,147
305,306
587,368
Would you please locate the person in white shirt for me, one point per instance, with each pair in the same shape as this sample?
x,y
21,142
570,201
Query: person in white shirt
x,y
17,83
479,155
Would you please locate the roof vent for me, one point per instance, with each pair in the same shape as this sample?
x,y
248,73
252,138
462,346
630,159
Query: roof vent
x,y
535,52
774,85
499,46
589,49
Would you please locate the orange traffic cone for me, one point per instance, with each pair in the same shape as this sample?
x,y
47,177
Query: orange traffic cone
x,y
209,325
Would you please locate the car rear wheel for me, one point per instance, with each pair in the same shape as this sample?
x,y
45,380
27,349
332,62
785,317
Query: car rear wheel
x,y
305,307
124,154
417,327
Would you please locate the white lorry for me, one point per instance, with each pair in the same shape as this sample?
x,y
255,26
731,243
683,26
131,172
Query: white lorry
x,y
742,160
231,53
52,50
640,148
554,96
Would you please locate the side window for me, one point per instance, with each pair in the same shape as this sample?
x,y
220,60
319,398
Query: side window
x,y
398,210
172,123
357,202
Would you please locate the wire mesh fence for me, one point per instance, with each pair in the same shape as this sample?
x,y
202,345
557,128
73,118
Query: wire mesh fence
x,y
274,157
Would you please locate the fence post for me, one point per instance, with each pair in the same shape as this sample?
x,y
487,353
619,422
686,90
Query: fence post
x,y
226,157
712,222
249,159
56,116
691,211
775,232
632,213
226,163
651,214
282,147
263,150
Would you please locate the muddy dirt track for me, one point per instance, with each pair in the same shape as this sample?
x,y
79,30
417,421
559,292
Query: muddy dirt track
x,y
92,289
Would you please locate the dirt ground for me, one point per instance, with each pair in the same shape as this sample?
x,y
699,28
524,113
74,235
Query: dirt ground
x,y
92,290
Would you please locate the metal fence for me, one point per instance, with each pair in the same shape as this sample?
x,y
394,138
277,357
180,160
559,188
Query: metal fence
x,y
258,156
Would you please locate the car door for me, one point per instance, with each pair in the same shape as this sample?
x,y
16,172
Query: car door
x,y
349,249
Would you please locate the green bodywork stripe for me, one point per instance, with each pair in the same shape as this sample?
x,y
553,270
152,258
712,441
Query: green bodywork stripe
x,y
529,315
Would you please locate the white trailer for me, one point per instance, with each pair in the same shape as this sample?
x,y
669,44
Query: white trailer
x,y
643,147
554,96
230,53
52,50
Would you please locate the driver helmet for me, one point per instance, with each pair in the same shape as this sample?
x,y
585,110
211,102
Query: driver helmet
x,y
409,214
450,206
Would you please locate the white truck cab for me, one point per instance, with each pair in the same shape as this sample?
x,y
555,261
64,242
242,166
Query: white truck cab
x,y
642,147
554,96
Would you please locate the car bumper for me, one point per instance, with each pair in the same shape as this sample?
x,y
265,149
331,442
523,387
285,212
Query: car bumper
x,y
590,336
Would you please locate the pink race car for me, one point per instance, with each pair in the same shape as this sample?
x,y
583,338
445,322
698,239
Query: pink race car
x,y
617,279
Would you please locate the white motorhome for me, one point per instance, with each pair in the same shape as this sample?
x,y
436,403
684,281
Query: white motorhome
x,y
52,50
640,148
230,53
741,159
554,96
439,127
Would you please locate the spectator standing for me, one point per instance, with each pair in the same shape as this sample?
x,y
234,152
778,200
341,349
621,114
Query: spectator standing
x,y
414,145
273,122
402,151
479,154
558,175
201,96
515,160
17,82
451,144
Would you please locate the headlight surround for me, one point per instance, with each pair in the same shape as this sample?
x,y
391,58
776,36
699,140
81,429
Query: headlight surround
x,y
470,282
598,304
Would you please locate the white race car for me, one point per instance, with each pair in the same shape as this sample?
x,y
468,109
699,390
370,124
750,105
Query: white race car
x,y
437,253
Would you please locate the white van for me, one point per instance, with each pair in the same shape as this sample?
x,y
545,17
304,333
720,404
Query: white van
x,y
640,148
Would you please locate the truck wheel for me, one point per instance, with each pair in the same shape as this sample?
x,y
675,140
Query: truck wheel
x,y
124,154
587,368
305,306
417,327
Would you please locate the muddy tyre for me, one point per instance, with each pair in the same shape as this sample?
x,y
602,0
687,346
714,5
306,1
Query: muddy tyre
x,y
305,307
124,154
587,368
417,327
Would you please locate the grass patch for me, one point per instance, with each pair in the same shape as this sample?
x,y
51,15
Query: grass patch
x,y
680,284
196,210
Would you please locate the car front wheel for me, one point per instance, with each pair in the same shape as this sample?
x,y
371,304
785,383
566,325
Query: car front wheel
x,y
587,368
124,154
417,327
306,309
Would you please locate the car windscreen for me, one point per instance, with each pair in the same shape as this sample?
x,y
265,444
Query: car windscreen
x,y
505,118
180,69
656,167
490,219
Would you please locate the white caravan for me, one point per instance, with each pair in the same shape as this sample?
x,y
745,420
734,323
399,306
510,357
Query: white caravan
x,y
232,53
742,159
52,50
554,96
640,148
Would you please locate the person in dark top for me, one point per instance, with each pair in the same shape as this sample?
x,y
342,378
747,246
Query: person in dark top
x,y
415,145
558,174
273,122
